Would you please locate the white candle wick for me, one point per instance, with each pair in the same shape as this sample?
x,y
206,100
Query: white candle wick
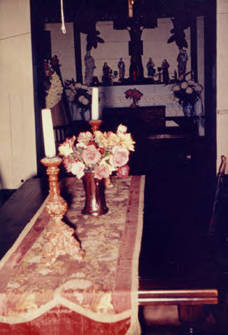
x,y
48,134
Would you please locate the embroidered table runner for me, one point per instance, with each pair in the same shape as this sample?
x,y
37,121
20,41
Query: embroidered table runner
x,y
95,296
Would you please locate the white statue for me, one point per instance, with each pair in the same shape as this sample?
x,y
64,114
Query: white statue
x,y
89,68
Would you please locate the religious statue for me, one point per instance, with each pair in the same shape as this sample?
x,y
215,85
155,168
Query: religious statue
x,y
89,68
165,71
182,59
150,68
121,67
107,74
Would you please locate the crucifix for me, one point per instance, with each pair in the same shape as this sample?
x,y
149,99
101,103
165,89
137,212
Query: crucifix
x,y
135,23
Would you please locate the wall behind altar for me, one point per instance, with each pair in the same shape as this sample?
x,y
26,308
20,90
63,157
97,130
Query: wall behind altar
x,y
62,45
222,79
115,46
17,124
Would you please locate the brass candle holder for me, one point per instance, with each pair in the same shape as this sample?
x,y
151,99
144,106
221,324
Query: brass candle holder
x,y
60,237
56,205
95,124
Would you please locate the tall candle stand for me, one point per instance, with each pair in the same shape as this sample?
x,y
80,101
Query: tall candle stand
x,y
60,237
95,125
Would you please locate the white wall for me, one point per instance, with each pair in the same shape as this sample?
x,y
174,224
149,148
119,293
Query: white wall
x,y
17,125
222,79
62,45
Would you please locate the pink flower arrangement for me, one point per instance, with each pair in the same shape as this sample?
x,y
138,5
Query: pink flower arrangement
x,y
100,152
134,94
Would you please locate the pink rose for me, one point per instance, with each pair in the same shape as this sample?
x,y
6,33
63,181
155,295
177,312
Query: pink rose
x,y
77,168
67,162
91,155
85,136
123,171
120,156
101,171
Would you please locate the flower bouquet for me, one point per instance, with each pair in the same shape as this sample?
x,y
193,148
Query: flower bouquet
x,y
98,152
133,94
187,92
52,83
94,157
78,94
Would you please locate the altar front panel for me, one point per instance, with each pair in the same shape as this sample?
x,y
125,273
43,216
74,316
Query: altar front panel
x,y
153,95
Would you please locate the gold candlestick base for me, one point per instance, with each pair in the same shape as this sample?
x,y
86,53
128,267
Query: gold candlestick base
x,y
59,236
95,124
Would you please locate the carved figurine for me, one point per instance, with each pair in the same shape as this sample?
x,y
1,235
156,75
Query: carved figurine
x,y
89,68
121,67
150,68
182,59
107,74
165,71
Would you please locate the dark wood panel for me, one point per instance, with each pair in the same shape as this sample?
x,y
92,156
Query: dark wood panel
x,y
141,121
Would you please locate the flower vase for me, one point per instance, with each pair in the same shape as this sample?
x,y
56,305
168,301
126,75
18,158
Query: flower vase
x,y
134,103
188,110
95,203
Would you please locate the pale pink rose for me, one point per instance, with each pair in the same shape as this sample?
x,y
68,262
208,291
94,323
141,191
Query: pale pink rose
x,y
120,156
121,129
85,136
123,171
101,171
91,155
67,162
66,148
77,168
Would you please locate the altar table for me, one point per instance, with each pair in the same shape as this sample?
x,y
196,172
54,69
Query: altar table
x,y
97,295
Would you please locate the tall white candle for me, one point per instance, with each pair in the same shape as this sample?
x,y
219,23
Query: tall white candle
x,y
95,104
48,133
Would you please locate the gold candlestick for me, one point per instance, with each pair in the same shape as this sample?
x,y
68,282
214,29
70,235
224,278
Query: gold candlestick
x,y
56,205
60,237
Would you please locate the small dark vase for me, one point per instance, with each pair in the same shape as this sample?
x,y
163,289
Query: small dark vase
x,y
134,103
95,203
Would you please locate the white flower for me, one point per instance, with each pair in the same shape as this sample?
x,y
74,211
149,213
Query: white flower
x,y
55,91
85,101
65,149
198,88
191,82
189,90
121,129
176,88
184,84
78,169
